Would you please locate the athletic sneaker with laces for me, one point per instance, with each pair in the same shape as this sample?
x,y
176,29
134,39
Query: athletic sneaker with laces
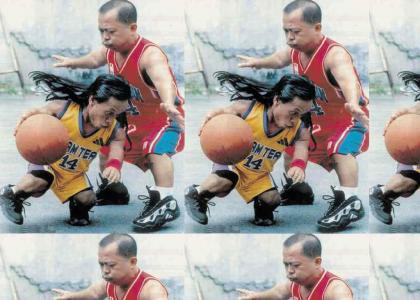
x,y
197,205
341,211
156,211
380,206
264,214
12,206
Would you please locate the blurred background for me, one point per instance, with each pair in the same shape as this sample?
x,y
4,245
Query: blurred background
x,y
395,268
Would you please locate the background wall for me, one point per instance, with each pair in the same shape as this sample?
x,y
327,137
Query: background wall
x,y
398,32
40,28
224,29
39,263
255,262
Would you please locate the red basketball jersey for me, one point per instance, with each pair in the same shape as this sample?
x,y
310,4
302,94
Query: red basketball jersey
x,y
330,98
319,288
146,99
133,292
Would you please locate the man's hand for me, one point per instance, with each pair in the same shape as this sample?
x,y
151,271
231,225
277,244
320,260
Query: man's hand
x,y
62,294
297,174
112,174
246,61
358,114
62,62
395,115
173,114
246,294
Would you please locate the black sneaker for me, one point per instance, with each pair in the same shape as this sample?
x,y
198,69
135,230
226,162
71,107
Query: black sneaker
x,y
341,211
264,214
79,213
299,193
197,205
156,212
115,193
380,206
11,206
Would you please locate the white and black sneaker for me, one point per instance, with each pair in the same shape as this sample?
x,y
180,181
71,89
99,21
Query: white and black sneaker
x,y
156,211
341,211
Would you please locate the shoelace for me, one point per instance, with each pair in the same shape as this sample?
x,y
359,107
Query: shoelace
x,y
203,205
147,203
388,206
331,201
18,205
385,204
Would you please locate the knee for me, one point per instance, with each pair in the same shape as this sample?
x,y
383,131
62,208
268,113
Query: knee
x,y
86,198
40,181
271,198
405,185
225,180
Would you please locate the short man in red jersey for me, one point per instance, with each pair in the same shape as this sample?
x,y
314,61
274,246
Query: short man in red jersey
x,y
308,280
156,117
340,115
122,278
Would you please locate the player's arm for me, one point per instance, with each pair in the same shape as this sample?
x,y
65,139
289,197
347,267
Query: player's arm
x,y
237,108
277,60
340,64
155,64
153,290
112,170
52,108
300,156
92,60
96,291
338,290
279,292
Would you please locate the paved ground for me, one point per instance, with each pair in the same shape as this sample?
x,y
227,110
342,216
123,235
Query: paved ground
x,y
47,214
231,214
382,166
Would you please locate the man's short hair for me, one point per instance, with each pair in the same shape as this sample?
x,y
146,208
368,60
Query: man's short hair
x,y
311,12
127,12
127,246
311,245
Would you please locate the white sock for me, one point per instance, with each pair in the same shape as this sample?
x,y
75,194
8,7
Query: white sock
x,y
348,191
163,191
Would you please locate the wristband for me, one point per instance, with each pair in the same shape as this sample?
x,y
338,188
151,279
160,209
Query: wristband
x,y
115,163
300,163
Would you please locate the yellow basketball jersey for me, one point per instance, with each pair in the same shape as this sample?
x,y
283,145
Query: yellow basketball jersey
x,y
82,149
267,147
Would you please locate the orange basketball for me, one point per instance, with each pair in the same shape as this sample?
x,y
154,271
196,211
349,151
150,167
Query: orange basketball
x,y
42,139
402,139
226,139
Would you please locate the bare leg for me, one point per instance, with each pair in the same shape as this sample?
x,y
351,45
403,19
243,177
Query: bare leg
x,y
347,170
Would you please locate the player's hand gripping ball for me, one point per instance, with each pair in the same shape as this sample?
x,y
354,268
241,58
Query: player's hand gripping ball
x,y
42,139
226,139
402,139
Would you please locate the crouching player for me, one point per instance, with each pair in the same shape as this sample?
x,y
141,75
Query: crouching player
x,y
275,117
89,113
